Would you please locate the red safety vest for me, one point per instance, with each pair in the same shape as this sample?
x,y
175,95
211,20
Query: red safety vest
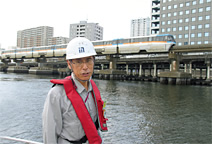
x,y
81,110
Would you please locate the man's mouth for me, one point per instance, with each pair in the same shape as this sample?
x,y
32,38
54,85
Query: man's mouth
x,y
85,74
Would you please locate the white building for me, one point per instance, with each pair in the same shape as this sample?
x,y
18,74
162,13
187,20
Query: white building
x,y
91,31
140,27
34,36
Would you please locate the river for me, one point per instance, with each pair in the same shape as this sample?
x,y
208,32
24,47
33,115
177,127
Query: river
x,y
138,112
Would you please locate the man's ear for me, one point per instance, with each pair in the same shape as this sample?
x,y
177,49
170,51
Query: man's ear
x,y
69,64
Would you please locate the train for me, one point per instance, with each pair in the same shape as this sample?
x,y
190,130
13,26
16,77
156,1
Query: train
x,y
132,45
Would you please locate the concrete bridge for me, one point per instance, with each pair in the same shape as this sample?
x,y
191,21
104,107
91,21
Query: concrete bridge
x,y
181,65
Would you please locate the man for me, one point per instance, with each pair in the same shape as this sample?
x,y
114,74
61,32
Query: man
x,y
73,111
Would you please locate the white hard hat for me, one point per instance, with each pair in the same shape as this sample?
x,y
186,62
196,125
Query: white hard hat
x,y
79,47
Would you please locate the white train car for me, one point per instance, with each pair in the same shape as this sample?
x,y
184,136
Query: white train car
x,y
60,50
43,51
105,47
7,54
159,43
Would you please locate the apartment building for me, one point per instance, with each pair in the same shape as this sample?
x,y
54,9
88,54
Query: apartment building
x,y
57,40
33,37
91,31
190,21
140,27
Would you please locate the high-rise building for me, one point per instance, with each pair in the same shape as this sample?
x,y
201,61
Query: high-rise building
x,y
140,27
91,31
57,40
190,21
32,37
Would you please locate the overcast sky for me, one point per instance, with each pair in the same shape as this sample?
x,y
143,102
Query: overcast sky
x,y
113,15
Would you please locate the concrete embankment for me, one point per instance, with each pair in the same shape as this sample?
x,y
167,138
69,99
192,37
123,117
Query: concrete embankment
x,y
177,78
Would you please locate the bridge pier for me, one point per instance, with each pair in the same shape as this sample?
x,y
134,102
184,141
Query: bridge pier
x,y
41,69
112,72
208,80
18,68
175,76
155,73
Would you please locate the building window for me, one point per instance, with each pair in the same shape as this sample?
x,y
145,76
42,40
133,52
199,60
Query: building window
x,y
168,22
175,13
208,0
193,19
193,10
186,27
187,3
200,1
179,43
181,5
163,22
180,20
207,17
187,11
199,42
175,6
168,29
208,8
181,13
194,2
206,42
207,25
200,10
174,29
164,8
200,18
206,34
200,26
163,30
164,1
192,35
192,43
186,35
169,14
174,21
163,15
185,43
169,7
187,20
180,28
193,27
199,35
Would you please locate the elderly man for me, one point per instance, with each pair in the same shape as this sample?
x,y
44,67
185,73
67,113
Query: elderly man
x,y
73,111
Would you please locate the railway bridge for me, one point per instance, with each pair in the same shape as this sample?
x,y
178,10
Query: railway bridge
x,y
179,66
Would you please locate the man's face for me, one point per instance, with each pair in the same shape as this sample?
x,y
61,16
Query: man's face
x,y
82,67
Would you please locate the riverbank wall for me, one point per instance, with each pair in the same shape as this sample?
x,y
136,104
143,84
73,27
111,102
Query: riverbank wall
x,y
182,79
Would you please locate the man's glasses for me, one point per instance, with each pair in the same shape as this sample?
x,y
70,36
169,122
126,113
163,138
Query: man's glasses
x,y
79,63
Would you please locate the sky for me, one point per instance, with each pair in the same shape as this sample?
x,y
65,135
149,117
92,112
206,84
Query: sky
x,y
113,15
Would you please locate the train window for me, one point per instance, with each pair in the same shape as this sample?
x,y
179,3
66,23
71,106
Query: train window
x,y
136,40
161,38
155,39
113,42
97,43
63,46
170,38
29,49
124,41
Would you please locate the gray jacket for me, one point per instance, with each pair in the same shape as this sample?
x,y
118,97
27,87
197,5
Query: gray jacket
x,y
60,121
